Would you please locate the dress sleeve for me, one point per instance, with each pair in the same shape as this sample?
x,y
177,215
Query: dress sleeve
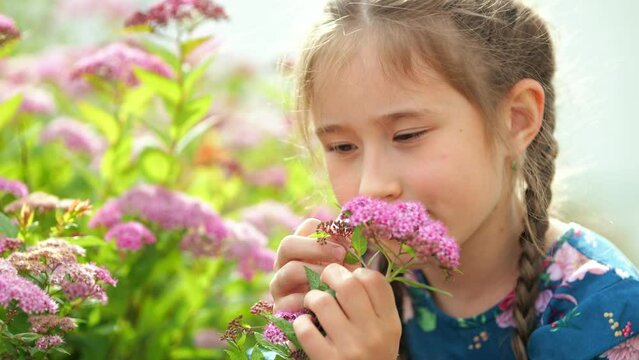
x,y
604,324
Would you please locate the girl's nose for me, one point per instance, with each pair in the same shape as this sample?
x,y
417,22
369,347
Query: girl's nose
x,y
379,181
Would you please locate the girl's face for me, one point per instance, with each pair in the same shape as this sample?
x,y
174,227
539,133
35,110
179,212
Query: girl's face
x,y
398,141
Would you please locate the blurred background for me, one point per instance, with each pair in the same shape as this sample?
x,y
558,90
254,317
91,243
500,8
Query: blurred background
x,y
199,113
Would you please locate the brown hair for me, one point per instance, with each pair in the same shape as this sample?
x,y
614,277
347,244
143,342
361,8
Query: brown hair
x,y
482,47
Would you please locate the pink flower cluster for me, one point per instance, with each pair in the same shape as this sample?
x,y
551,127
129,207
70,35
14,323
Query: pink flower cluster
x,y
248,246
116,62
8,29
43,323
406,222
29,297
160,14
269,215
167,210
47,342
76,136
13,187
58,259
9,244
273,334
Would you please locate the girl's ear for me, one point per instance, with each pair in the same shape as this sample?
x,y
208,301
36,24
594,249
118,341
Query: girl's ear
x,y
524,113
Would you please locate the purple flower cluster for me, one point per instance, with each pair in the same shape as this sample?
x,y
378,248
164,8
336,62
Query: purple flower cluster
x,y
9,244
116,62
268,215
247,245
76,136
160,14
13,187
406,222
29,297
273,334
166,209
130,235
58,259
47,342
8,29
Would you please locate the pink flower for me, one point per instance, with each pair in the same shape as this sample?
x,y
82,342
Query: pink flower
x,y
246,244
13,187
130,235
268,215
46,256
35,100
160,14
76,136
116,62
273,176
627,350
406,222
47,342
30,298
566,261
9,244
43,323
108,216
273,334
8,29
80,281
591,267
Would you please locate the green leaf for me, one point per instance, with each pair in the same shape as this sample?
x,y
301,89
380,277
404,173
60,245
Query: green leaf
x,y
193,76
166,88
192,44
280,349
313,278
359,241
351,259
419,285
156,165
409,250
87,241
6,227
426,319
235,354
105,122
9,108
319,235
191,114
193,134
257,354
287,329
116,159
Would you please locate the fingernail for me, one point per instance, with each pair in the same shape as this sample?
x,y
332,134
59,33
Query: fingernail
x,y
338,253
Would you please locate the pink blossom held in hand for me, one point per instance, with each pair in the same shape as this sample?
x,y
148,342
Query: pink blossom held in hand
x,y
160,14
406,222
116,62
8,29
76,136
30,298
14,187
130,235
273,334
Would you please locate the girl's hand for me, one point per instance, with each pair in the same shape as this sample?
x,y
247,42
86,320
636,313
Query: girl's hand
x,y
361,322
289,284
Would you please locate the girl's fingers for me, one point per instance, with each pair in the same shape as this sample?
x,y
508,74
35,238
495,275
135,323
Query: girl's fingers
x,y
315,345
307,227
328,312
294,247
380,293
350,293
291,278
290,302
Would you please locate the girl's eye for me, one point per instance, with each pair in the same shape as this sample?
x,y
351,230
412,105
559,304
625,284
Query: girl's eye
x,y
408,136
341,148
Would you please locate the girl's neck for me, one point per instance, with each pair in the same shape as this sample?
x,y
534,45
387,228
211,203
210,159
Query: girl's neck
x,y
489,260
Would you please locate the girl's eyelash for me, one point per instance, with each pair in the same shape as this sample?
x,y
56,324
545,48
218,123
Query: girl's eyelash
x,y
339,148
409,136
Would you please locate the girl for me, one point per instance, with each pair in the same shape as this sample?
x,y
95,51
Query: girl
x,y
451,103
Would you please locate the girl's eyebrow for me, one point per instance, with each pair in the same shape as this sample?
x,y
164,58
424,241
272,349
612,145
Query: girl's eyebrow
x,y
384,120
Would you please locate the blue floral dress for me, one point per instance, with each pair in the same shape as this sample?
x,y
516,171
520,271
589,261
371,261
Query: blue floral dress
x,y
588,308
